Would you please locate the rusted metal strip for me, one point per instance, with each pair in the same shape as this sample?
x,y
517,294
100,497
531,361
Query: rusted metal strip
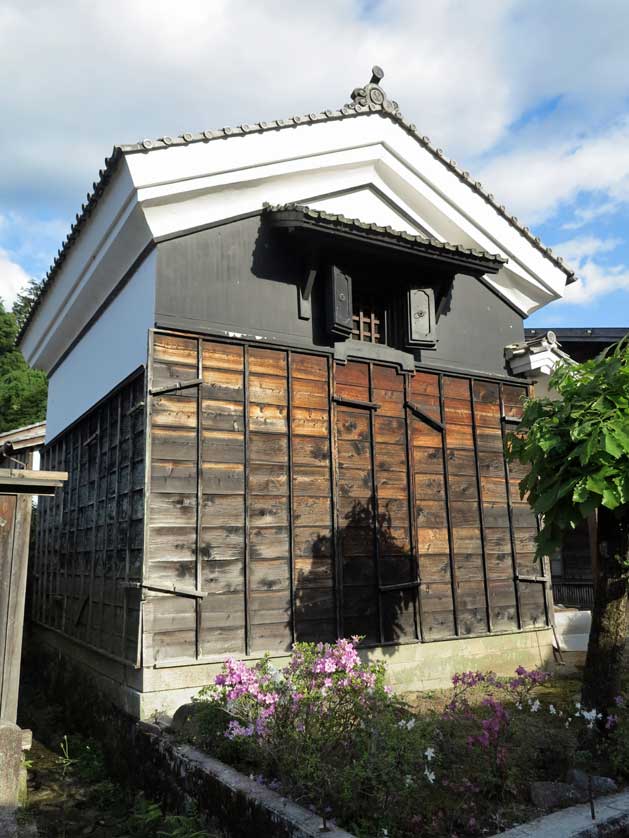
x,y
376,523
429,420
291,511
446,475
177,385
481,512
246,569
166,589
410,476
198,568
503,423
401,586
356,403
334,476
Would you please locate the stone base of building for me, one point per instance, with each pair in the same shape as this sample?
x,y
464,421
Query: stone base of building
x,y
146,692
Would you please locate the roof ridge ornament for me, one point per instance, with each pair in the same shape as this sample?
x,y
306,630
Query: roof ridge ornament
x,y
372,97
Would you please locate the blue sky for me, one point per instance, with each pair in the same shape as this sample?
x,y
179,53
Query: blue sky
x,y
531,97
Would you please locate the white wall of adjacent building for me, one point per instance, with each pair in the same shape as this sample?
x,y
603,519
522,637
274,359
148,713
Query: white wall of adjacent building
x,y
110,350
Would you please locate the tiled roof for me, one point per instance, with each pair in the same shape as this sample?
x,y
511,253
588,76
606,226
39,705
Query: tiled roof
x,y
420,242
368,100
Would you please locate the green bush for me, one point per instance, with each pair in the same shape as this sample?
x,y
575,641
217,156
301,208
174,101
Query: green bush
x,y
326,732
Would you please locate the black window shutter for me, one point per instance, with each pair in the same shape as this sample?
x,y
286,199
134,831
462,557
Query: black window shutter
x,y
421,317
339,303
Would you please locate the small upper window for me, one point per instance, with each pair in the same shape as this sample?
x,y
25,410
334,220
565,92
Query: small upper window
x,y
369,316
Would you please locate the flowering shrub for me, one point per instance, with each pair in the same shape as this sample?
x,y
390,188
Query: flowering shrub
x,y
325,730
328,732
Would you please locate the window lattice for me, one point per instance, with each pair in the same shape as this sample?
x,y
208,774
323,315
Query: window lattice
x,y
369,318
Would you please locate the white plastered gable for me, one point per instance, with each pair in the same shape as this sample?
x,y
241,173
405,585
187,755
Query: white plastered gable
x,y
365,166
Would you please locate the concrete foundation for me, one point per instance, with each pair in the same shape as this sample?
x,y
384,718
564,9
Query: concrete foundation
x,y
150,691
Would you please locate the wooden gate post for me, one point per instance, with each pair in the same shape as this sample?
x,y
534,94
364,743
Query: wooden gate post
x,y
17,487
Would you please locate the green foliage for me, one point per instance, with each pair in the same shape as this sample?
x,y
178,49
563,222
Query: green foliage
x,y
148,821
24,301
325,732
23,391
65,760
145,818
577,447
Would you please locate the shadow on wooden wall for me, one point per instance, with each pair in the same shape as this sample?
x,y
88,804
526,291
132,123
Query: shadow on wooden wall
x,y
375,588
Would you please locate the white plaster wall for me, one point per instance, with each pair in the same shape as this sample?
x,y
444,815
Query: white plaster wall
x,y
113,347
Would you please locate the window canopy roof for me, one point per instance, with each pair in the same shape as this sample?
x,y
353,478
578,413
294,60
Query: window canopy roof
x,y
324,225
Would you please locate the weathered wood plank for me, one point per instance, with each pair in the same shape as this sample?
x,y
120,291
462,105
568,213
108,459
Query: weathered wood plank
x,y
268,389
432,540
354,372
308,421
428,460
267,479
458,412
424,383
269,361
268,510
169,349
429,487
308,393
352,425
311,511
268,448
267,417
313,367
222,478
217,416
432,513
222,385
174,411
223,356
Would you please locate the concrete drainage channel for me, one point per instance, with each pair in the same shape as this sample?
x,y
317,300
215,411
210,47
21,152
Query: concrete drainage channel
x,y
612,819
243,806
250,810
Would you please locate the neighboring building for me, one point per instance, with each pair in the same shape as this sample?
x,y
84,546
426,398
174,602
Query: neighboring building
x,y
21,447
276,357
572,575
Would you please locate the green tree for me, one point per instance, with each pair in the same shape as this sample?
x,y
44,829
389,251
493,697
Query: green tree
x,y
578,451
22,390
24,301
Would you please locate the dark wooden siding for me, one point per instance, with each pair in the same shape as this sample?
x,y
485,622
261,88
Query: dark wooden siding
x,y
239,279
240,503
87,563
293,498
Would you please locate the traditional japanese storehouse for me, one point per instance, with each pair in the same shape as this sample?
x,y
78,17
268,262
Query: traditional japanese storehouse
x,y
278,385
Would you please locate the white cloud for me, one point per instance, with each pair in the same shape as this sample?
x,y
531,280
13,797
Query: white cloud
x,y
12,278
78,77
595,277
536,181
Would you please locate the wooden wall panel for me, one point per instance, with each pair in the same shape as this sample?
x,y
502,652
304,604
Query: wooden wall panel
x,y
170,622
431,509
293,499
314,552
87,558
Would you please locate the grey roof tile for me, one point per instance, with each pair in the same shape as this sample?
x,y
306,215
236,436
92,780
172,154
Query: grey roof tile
x,y
366,101
423,242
